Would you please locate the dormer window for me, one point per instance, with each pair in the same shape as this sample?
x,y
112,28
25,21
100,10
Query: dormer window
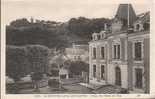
x,y
96,36
117,25
102,34
137,27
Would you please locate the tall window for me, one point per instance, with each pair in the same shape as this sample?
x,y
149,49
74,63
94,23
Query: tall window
x,y
102,53
102,72
94,53
138,51
94,71
116,50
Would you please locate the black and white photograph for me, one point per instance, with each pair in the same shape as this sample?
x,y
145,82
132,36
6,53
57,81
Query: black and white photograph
x,y
76,47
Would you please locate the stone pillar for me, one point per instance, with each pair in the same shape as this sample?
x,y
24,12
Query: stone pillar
x,y
90,62
106,60
98,63
130,65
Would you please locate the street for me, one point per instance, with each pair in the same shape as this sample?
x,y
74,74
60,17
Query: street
x,y
67,89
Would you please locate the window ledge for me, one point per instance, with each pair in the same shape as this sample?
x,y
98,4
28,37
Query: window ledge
x,y
116,59
138,61
102,59
93,58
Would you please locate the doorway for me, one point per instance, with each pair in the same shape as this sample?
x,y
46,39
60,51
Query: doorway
x,y
102,72
118,76
138,76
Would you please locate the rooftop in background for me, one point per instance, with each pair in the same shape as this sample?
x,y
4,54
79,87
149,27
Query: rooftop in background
x,y
81,42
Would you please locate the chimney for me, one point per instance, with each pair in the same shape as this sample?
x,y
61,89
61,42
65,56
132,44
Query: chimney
x,y
105,27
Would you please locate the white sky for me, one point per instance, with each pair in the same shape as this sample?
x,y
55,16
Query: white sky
x,y
63,10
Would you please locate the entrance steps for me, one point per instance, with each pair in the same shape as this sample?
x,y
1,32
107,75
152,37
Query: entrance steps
x,y
107,89
93,85
137,91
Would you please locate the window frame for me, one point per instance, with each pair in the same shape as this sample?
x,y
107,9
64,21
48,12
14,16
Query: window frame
x,y
115,52
134,77
142,50
94,55
103,78
94,72
102,53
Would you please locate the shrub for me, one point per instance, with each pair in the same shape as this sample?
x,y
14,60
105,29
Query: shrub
x,y
21,61
77,67
38,56
16,64
53,83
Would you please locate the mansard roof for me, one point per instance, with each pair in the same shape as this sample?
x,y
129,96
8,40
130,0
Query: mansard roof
x,y
123,11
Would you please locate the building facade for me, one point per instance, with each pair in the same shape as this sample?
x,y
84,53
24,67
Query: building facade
x,y
121,57
78,52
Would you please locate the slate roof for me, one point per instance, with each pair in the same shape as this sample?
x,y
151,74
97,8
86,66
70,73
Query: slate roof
x,y
122,13
143,17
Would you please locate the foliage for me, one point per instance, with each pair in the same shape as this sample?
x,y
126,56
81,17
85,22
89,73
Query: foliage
x,y
38,57
37,76
77,67
16,66
67,64
84,27
21,61
35,34
53,83
52,34
20,22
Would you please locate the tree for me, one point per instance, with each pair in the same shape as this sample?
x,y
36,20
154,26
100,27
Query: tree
x,y
16,63
77,67
38,57
52,34
84,27
36,77
20,22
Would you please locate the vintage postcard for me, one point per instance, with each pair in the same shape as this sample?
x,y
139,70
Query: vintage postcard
x,y
77,49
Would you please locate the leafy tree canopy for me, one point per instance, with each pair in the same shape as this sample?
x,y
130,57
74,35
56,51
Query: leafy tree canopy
x,y
51,33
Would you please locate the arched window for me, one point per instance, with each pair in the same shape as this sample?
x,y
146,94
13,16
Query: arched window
x,y
137,27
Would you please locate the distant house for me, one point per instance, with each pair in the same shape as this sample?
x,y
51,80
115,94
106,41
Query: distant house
x,y
57,66
121,57
78,52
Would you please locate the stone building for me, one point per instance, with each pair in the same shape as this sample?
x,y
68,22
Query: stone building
x,y
121,57
78,52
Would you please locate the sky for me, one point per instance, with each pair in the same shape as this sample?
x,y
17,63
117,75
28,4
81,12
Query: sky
x,y
63,10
